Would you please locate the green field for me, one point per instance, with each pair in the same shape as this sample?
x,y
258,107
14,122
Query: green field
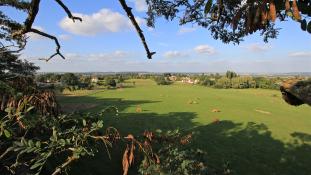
x,y
258,132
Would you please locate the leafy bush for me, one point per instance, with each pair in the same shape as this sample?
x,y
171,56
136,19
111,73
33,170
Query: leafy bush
x,y
45,141
175,157
161,80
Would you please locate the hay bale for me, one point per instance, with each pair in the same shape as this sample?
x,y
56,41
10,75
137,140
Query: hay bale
x,y
215,110
138,109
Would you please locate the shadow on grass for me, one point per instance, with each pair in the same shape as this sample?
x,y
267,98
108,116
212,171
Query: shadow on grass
x,y
94,104
248,149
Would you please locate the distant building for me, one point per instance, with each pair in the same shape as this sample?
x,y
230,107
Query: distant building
x,y
172,78
188,80
94,79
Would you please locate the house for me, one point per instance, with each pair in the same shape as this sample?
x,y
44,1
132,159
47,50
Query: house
x,y
188,80
94,80
172,78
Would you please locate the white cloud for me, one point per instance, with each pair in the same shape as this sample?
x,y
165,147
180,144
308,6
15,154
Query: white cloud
x,y
183,30
175,54
205,49
103,21
300,54
64,37
140,5
256,47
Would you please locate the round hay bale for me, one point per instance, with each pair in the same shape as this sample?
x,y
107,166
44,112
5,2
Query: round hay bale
x,y
215,110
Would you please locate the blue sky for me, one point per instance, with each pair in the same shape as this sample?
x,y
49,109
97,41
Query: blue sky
x,y
106,41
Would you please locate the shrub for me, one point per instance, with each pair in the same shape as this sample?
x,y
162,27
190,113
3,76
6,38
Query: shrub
x,y
161,80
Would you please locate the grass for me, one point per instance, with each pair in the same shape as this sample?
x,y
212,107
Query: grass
x,y
258,132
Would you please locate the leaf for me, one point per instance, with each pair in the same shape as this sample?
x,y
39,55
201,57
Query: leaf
x,y
309,27
84,122
131,157
7,133
303,25
38,144
125,161
100,124
208,6
36,165
272,11
296,12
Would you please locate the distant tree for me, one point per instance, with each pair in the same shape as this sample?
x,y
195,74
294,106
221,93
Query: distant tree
x,y
161,80
231,74
69,79
111,82
223,82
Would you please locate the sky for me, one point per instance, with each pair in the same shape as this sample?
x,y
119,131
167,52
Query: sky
x,y
106,42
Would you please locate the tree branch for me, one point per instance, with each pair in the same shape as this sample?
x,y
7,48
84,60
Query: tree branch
x,y
52,38
68,11
130,15
60,168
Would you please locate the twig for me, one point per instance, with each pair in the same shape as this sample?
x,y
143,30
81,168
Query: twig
x,y
130,15
51,37
68,11
59,169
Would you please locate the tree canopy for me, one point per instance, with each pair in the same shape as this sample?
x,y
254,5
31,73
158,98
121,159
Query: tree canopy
x,y
227,20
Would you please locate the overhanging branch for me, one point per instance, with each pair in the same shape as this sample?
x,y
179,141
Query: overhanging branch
x,y
50,37
130,15
68,11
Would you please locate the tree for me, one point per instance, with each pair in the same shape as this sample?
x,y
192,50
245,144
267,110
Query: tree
x,y
16,77
111,82
231,74
70,80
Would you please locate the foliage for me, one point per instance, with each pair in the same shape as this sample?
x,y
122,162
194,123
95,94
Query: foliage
x,y
162,80
223,82
110,82
61,140
296,92
69,79
231,21
175,157
231,74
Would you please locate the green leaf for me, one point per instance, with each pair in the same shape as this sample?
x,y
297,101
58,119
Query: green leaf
x,y
36,165
62,142
7,133
84,122
38,144
29,109
30,143
100,124
208,6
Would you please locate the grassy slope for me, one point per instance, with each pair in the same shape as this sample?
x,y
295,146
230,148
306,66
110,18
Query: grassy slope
x,y
252,142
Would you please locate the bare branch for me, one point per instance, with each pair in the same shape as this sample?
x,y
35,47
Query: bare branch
x,y
130,15
32,13
50,37
68,11
6,48
60,168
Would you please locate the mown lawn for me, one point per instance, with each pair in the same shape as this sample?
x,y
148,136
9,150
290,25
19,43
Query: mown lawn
x,y
258,132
